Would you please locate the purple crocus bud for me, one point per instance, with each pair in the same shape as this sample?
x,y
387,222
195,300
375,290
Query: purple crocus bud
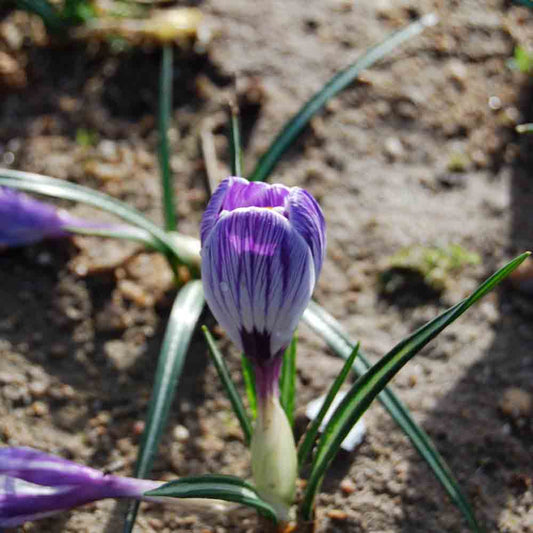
x,y
25,220
262,251
34,484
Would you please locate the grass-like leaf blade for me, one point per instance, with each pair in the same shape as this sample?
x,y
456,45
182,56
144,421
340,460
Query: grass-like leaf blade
x,y
163,124
181,324
56,188
327,327
231,391
215,486
78,11
128,233
306,445
368,386
287,380
248,376
337,83
235,141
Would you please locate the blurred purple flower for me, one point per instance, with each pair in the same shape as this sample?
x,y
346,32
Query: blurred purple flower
x,y
34,484
25,220
262,251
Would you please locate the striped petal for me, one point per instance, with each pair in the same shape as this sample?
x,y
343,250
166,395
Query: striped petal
x,y
258,277
42,468
213,209
244,193
307,219
236,192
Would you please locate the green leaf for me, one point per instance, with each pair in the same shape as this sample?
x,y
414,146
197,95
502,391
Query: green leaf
x,y
78,11
231,391
249,384
311,432
522,60
337,83
327,327
183,319
215,486
165,112
129,233
56,188
525,128
287,382
369,385
235,141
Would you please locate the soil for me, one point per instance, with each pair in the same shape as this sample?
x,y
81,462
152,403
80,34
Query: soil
x,y
422,153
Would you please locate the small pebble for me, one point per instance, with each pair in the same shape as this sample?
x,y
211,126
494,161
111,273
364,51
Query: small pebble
x,y
181,433
457,71
8,377
393,148
347,486
495,103
108,150
61,392
138,427
156,523
516,403
39,409
12,73
16,394
124,445
101,419
133,292
337,514
38,388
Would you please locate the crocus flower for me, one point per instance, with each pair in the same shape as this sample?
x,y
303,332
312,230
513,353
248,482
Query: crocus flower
x,y
25,220
34,485
262,251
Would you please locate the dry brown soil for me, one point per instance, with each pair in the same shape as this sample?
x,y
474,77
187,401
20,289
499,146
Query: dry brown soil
x,y
414,156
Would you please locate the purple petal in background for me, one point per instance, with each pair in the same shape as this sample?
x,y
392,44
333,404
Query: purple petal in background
x,y
24,220
34,484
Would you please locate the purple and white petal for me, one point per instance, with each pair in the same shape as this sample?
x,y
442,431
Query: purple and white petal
x,y
244,193
25,220
42,468
307,219
17,501
34,484
258,277
235,192
213,209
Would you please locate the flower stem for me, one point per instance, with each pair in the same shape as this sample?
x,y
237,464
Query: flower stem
x,y
274,458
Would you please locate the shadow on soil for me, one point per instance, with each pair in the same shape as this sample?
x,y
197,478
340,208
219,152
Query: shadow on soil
x,y
108,94
488,450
